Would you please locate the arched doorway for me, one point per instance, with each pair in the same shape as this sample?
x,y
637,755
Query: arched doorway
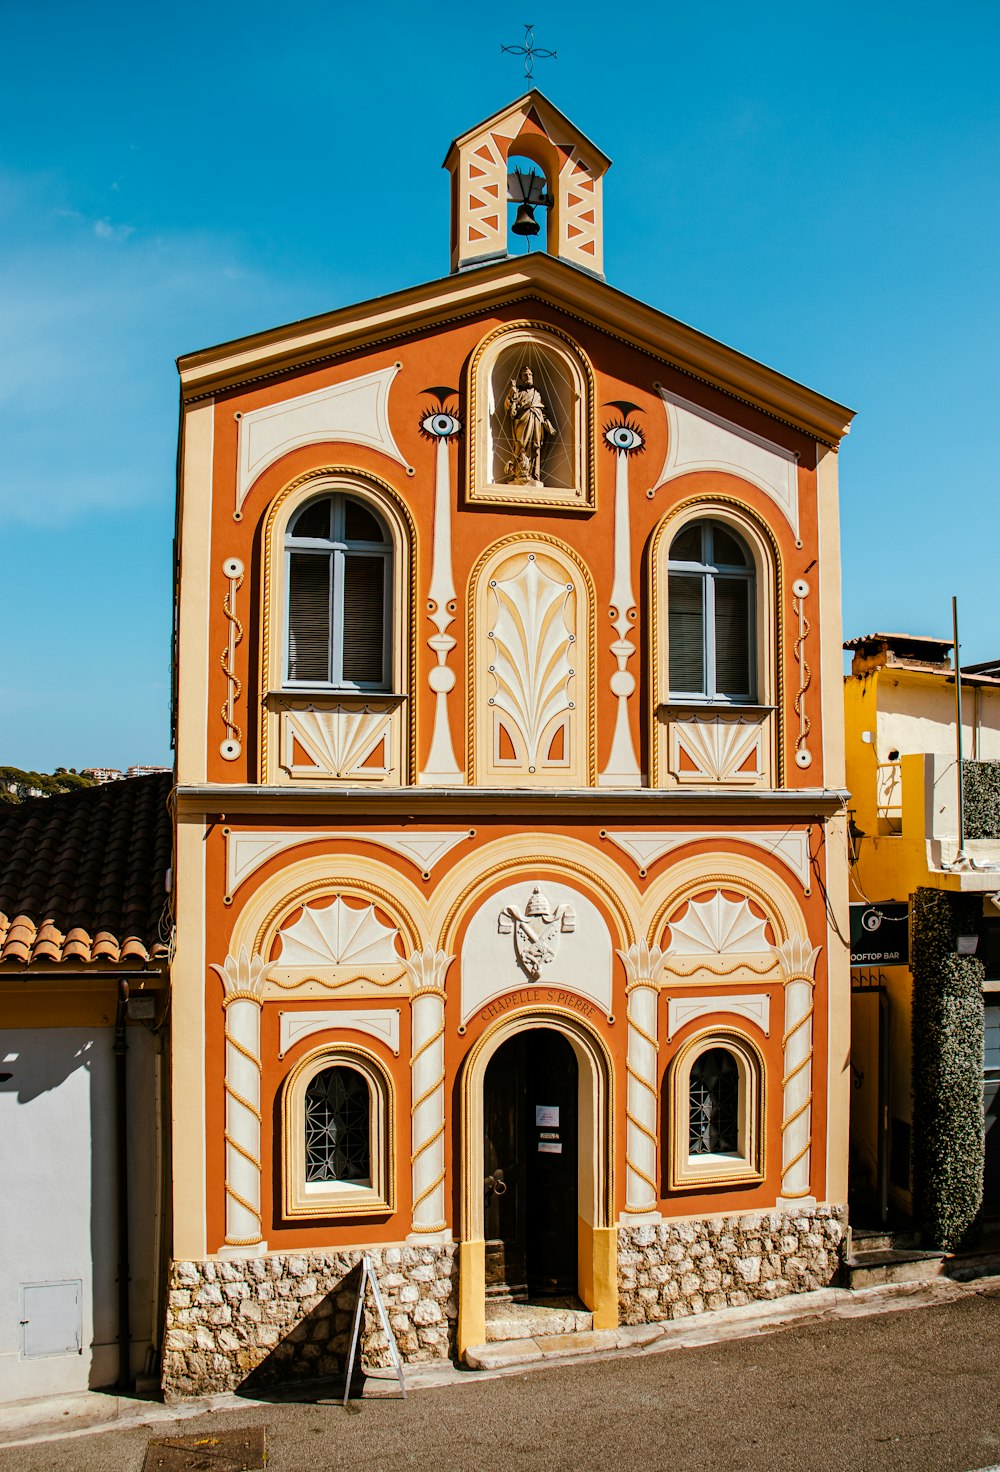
x,y
530,1135
588,1244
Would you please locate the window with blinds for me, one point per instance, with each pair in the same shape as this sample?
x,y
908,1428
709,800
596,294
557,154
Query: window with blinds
x,y
339,574
710,615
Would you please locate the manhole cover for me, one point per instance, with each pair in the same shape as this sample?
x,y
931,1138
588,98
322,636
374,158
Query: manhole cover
x,y
227,1451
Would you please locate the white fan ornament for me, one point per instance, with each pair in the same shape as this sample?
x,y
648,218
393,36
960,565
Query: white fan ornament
x,y
338,935
717,926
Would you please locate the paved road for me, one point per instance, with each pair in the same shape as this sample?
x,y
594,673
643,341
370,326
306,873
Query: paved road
x,y
916,1390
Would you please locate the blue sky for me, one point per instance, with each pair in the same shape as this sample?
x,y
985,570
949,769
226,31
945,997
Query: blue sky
x,y
817,187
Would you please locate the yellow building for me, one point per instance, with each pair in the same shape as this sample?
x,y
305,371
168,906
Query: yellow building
x,y
905,840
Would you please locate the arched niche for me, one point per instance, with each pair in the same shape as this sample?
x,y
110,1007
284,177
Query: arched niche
x,y
531,396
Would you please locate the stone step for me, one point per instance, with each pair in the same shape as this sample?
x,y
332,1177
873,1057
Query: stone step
x,y
889,1265
884,1241
508,1354
965,1266
506,1321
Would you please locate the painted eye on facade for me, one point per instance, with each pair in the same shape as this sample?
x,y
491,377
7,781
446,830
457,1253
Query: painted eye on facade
x,y
441,426
624,437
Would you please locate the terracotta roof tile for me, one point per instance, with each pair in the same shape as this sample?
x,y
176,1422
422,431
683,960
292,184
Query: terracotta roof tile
x,y
83,876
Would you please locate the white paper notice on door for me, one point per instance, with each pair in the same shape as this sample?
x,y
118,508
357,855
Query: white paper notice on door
x,y
546,1114
547,1147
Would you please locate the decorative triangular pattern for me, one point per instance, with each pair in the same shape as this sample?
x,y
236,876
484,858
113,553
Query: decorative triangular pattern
x,y
338,742
337,935
355,412
756,1008
647,848
481,170
718,747
718,926
377,1022
697,439
247,851
580,198
489,167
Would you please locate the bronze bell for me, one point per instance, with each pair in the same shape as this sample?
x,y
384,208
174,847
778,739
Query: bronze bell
x,y
525,222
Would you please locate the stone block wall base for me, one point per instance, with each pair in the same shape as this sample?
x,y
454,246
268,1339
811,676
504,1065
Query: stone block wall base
x,y
676,1269
262,1320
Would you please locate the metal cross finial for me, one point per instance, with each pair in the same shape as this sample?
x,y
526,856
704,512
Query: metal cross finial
x,y
529,51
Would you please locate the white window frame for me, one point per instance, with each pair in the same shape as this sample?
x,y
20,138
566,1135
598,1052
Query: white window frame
x,y
304,1198
745,1165
708,571
337,548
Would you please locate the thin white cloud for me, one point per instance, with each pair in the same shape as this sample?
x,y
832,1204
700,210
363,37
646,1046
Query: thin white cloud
x,y
105,230
88,389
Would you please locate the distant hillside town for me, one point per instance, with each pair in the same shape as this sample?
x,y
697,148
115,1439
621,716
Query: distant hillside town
x,y
17,785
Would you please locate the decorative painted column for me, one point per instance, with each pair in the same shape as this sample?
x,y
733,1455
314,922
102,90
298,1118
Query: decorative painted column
x,y
797,959
644,965
243,978
427,970
622,769
441,770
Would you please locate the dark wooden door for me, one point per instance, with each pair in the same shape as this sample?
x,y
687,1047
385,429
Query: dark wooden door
x,y
530,1159
551,1137
503,1164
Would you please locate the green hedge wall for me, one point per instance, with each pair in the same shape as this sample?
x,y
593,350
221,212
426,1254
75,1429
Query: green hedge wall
x,y
947,1068
982,799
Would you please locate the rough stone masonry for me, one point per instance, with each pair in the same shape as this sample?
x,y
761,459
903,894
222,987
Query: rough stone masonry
x,y
288,1316
668,1270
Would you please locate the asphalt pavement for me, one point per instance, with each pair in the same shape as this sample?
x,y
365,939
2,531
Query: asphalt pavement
x,y
916,1389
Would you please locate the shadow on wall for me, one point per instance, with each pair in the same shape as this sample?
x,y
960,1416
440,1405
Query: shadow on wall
x,y
58,1207
252,1323
316,1347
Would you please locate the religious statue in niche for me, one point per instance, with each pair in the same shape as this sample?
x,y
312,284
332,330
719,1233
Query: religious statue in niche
x,y
529,425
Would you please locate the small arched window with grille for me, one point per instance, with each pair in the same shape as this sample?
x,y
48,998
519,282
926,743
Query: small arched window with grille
x,y
339,611
711,625
714,1094
717,1112
338,1127
338,1135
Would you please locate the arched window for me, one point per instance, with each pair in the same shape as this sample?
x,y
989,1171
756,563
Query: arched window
x,y
339,580
717,1112
338,1131
714,1104
338,1127
711,602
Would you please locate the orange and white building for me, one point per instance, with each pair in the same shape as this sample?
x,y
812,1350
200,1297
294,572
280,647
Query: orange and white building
x,y
511,868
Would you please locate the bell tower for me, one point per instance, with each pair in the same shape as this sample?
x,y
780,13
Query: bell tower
x,y
573,169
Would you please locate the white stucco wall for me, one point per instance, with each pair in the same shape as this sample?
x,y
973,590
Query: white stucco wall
x,y
921,717
57,1196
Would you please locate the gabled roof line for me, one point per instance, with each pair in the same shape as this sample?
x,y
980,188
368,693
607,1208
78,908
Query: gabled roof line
x,y
300,345
536,99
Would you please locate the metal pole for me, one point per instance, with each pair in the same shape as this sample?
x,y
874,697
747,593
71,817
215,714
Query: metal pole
x,y
961,855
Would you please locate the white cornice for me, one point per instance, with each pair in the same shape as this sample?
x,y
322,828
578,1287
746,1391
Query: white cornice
x,y
599,805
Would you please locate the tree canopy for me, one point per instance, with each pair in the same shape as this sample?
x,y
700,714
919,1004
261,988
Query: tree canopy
x,y
17,786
